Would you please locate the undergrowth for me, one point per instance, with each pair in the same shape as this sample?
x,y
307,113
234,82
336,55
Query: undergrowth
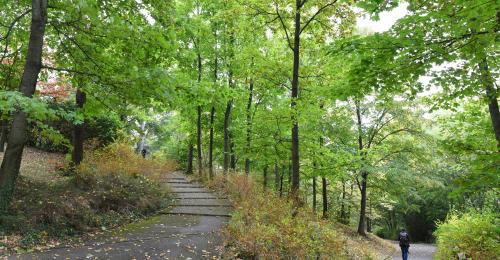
x,y
473,235
262,227
112,187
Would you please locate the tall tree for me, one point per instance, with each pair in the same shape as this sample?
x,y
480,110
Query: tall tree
x,y
18,136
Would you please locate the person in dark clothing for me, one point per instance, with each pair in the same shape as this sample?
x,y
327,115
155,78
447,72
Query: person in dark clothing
x,y
404,243
144,152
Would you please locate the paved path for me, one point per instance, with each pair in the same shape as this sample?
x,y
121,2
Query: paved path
x,y
188,230
417,252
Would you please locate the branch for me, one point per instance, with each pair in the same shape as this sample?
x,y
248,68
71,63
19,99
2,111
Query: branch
x,y
320,10
9,31
394,132
284,27
392,153
68,70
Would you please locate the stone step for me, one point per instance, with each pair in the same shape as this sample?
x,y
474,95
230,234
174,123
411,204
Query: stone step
x,y
202,211
200,205
202,201
175,178
196,195
189,190
186,185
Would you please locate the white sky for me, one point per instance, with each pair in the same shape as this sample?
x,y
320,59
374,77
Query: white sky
x,y
387,19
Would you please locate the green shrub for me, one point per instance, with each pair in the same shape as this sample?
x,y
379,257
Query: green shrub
x,y
474,234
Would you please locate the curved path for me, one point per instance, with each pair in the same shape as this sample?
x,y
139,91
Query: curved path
x,y
417,252
188,230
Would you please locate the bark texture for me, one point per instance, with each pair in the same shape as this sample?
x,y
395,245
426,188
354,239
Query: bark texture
x,y
78,131
11,163
492,96
4,132
295,94
249,126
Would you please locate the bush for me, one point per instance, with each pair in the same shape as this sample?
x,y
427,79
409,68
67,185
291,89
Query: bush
x,y
474,234
262,226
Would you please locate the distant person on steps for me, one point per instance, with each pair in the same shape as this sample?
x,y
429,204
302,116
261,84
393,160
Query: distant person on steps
x,y
404,243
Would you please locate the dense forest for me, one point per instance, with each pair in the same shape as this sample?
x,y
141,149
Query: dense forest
x,y
375,131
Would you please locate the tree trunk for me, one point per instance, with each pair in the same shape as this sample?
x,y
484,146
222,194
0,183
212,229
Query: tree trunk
x,y
295,95
78,131
343,216
492,95
314,194
198,123
189,169
198,142
4,134
264,183
364,174
211,145
233,155
276,177
18,135
362,210
325,198
249,127
212,111
227,141
281,184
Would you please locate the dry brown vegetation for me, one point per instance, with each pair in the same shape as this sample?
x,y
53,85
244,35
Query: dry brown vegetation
x,y
112,187
262,226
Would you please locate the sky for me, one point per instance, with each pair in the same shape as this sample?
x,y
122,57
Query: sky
x,y
387,19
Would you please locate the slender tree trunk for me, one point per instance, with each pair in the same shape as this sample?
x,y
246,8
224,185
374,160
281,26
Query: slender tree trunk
x,y
314,194
227,114
189,169
212,111
198,142
233,154
18,135
4,134
342,205
198,123
281,184
325,198
492,95
364,174
264,183
227,142
276,177
249,127
349,206
78,131
295,95
362,210
211,144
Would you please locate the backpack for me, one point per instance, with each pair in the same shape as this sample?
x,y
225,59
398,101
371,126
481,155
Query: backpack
x,y
404,239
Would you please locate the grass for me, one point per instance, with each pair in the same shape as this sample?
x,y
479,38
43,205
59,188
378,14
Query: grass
x,y
49,209
262,226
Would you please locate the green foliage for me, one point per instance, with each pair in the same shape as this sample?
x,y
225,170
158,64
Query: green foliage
x,y
473,235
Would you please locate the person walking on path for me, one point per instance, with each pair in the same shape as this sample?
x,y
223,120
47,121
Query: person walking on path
x,y
404,243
